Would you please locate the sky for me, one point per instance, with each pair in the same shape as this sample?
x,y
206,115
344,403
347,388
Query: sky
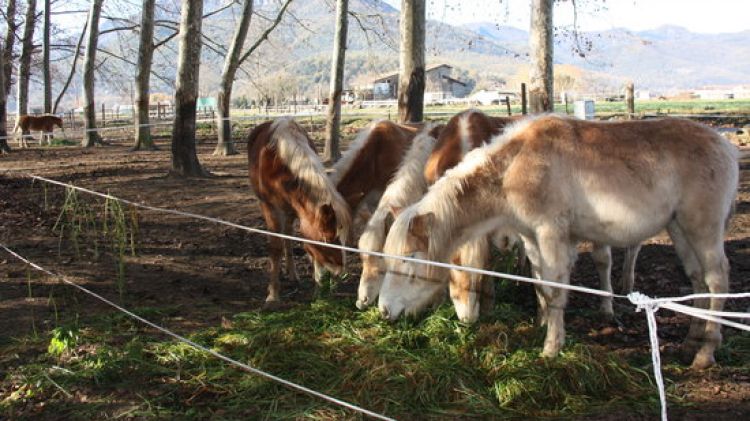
x,y
712,16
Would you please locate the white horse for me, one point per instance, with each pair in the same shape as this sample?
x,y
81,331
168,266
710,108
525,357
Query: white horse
x,y
558,181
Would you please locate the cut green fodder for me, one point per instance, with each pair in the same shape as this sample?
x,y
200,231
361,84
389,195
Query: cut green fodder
x,y
435,366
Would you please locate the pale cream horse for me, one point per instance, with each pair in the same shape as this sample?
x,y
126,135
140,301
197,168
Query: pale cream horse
x,y
558,181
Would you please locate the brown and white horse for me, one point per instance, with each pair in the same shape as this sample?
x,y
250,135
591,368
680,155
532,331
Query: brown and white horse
x,y
558,181
408,186
364,171
42,123
290,182
470,293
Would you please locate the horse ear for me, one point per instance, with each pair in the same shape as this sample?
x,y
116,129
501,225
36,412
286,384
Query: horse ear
x,y
419,227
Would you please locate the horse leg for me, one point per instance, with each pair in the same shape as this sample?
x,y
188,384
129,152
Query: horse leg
x,y
602,256
470,293
286,228
628,269
275,249
532,253
555,253
707,245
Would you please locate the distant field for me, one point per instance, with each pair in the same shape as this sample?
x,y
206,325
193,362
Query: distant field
x,y
697,106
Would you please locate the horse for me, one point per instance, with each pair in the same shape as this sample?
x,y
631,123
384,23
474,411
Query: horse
x,y
42,123
290,182
363,172
470,293
558,181
406,187
464,132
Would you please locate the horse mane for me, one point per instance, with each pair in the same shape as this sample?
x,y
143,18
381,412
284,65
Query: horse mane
x,y
406,187
292,147
442,198
347,159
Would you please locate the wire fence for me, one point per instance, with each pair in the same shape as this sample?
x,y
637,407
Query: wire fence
x,y
641,301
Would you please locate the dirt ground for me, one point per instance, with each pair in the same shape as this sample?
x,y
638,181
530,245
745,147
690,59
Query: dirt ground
x,y
206,271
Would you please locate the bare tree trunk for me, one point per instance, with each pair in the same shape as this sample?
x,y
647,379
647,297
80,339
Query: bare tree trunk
x,y
143,138
411,78
24,67
4,148
10,38
541,75
225,146
331,151
89,65
184,158
45,59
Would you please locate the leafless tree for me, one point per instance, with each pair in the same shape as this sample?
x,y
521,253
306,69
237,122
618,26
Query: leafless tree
x,y
24,67
184,158
412,62
46,74
541,45
233,61
4,148
225,146
333,120
10,38
143,78
89,66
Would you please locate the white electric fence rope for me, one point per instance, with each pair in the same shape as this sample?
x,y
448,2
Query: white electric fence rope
x,y
331,245
200,347
641,301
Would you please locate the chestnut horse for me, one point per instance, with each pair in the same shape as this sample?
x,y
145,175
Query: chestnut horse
x,y
364,171
558,181
290,182
471,294
42,123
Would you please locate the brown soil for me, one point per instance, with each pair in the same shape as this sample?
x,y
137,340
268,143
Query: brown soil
x,y
206,271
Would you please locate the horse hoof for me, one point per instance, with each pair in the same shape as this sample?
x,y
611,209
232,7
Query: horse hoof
x,y
271,305
702,361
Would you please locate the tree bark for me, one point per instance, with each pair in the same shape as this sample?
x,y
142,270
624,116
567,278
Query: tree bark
x,y
143,138
24,68
184,158
225,146
331,151
541,77
411,79
45,59
10,38
4,148
89,64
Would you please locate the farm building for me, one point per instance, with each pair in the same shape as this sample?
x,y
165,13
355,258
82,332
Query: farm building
x,y
439,85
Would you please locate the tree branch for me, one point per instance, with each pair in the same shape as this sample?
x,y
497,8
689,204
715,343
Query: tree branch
x,y
265,34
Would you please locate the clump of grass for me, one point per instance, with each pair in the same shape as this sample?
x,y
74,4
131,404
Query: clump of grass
x,y
119,228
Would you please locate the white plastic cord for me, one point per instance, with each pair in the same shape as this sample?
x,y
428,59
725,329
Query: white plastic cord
x,y
200,347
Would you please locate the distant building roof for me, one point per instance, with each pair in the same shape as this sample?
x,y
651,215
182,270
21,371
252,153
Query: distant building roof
x,y
385,77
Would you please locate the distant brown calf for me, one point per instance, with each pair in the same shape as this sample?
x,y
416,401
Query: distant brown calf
x,y
42,123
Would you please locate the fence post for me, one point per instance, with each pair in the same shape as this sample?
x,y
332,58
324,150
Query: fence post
x,y
507,103
523,99
630,100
